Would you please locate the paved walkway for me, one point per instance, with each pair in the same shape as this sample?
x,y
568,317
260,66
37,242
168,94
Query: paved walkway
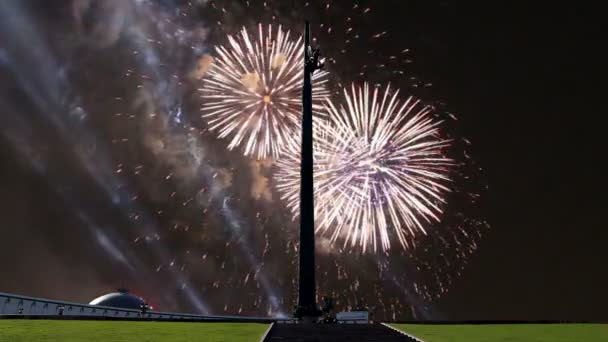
x,y
334,333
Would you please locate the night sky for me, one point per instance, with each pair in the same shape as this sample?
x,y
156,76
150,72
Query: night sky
x,y
97,194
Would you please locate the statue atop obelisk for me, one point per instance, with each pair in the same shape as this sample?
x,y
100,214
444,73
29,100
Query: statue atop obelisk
x,y
307,309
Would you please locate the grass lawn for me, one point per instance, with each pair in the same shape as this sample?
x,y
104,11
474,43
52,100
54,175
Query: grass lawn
x,y
97,331
508,332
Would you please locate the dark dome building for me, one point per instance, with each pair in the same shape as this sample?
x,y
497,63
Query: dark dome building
x,y
120,299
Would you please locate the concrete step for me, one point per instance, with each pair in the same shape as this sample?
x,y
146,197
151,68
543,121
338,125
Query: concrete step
x,y
334,333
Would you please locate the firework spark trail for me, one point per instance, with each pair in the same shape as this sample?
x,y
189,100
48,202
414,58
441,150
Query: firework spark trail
x,y
380,169
52,94
233,221
167,98
20,135
252,91
111,244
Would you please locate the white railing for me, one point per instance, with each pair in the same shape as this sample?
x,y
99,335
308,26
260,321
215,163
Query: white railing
x,y
11,304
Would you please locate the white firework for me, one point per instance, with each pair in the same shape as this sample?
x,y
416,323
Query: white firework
x,y
380,169
252,91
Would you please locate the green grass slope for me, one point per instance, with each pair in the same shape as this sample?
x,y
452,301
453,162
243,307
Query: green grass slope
x,y
508,332
117,331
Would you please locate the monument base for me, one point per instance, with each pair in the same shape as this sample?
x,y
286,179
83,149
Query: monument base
x,y
307,315
308,320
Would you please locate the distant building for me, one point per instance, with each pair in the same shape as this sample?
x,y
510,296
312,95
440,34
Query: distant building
x,y
120,299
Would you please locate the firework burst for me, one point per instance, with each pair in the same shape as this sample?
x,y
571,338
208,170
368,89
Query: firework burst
x,y
380,169
252,91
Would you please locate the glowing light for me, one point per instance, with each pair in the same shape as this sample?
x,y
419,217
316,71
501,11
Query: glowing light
x,y
252,91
